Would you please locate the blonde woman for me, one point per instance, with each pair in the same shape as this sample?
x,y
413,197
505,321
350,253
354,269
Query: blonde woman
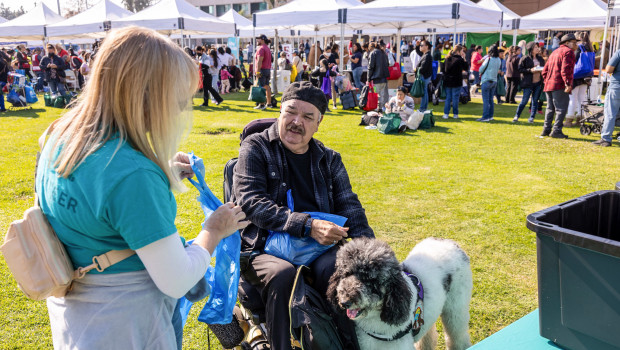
x,y
104,181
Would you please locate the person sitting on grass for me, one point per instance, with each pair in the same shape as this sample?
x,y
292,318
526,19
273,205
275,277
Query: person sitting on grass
x,y
402,104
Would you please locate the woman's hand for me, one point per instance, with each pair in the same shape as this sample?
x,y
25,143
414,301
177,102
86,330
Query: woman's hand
x,y
227,219
180,165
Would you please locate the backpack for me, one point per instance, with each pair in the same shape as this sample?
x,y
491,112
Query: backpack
x,y
364,96
76,62
311,322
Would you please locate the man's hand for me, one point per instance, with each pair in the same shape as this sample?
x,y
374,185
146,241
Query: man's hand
x,y
326,232
258,75
568,89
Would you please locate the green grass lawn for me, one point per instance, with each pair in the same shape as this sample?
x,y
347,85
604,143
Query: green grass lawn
x,y
468,181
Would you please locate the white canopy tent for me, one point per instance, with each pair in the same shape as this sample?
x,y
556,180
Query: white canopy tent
x,y
30,26
414,16
568,15
92,23
177,17
307,15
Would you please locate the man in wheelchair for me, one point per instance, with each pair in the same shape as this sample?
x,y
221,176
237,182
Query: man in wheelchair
x,y
286,156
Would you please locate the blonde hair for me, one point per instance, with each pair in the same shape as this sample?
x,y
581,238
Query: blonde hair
x,y
141,84
456,49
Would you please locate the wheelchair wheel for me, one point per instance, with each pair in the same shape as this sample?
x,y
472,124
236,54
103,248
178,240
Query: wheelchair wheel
x,y
585,130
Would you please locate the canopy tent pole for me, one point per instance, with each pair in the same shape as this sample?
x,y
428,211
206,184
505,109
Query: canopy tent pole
x,y
501,27
341,53
275,65
514,37
398,43
548,36
600,71
455,21
316,47
253,44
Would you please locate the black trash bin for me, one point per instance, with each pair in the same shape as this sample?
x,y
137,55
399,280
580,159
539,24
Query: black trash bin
x,y
578,249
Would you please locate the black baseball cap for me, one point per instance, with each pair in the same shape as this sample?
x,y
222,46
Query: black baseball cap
x,y
262,37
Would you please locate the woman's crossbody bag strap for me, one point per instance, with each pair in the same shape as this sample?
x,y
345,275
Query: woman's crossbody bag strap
x,y
100,262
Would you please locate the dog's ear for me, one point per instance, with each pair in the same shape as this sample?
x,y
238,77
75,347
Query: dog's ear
x,y
332,288
396,302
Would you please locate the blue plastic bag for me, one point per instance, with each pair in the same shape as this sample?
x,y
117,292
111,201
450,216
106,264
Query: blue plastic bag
x,y
31,96
222,280
299,251
585,66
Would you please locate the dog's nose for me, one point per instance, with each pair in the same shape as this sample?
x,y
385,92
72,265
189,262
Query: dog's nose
x,y
346,304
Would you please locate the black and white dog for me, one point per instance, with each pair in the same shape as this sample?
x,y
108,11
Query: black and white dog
x,y
395,306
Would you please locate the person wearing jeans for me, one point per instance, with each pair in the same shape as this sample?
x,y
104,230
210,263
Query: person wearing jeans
x,y
531,80
489,72
558,77
356,65
378,72
612,101
533,92
425,69
454,66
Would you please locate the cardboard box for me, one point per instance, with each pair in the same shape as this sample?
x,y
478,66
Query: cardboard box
x,y
411,77
394,84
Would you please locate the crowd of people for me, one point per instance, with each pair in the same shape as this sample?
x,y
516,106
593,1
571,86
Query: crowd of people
x,y
531,68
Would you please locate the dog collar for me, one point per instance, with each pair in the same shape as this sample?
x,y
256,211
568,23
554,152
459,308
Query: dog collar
x,y
415,326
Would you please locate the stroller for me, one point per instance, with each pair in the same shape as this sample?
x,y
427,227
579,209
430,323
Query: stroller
x,y
592,119
464,96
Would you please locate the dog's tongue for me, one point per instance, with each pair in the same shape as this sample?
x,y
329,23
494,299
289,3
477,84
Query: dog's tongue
x,y
352,313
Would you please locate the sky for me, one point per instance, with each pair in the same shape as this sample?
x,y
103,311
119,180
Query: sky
x,y
29,4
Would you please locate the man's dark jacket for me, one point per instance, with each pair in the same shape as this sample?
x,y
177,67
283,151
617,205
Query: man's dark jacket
x,y
425,66
59,62
378,68
262,179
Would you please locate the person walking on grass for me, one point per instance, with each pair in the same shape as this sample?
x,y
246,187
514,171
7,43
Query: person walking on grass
x,y
558,78
476,62
206,62
512,73
454,67
612,101
531,80
488,76
262,64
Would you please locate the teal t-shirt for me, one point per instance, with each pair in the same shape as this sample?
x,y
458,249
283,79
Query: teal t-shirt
x,y
116,199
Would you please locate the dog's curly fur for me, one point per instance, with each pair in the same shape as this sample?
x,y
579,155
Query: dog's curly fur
x,y
370,285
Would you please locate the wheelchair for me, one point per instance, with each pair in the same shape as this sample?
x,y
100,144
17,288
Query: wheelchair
x,y
247,331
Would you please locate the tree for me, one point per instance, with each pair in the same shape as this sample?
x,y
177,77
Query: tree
x,y
10,14
75,6
137,5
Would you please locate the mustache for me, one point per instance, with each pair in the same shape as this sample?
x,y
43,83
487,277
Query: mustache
x,y
296,128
